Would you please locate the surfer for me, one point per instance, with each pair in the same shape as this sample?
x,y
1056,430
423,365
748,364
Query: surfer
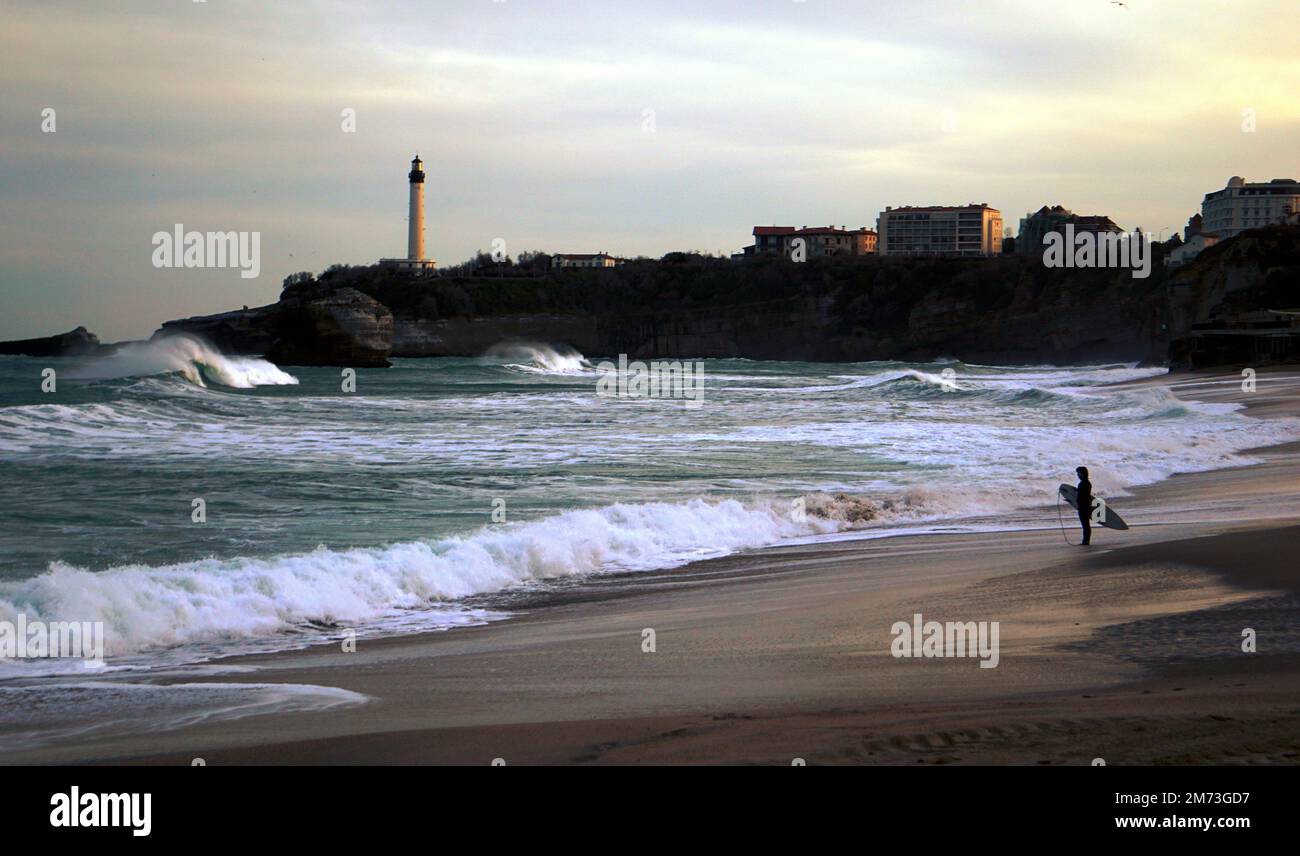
x,y
1084,504
1081,500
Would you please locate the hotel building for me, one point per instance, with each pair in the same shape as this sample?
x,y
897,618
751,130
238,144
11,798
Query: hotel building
x,y
940,230
1246,205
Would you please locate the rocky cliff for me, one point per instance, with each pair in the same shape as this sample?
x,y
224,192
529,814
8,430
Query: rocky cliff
x,y
1007,309
338,328
346,328
1257,270
1223,306
74,343
443,337
243,331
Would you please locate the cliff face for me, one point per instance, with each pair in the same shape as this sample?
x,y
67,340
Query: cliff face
x,y
446,337
346,328
74,343
1051,316
1055,331
1006,310
1222,305
1256,270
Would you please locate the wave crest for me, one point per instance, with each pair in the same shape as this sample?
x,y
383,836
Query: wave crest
x,y
214,600
540,358
188,356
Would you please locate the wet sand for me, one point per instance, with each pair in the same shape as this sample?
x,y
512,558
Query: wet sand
x,y
1130,651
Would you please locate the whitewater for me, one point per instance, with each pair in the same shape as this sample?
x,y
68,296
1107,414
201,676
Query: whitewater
x,y
441,487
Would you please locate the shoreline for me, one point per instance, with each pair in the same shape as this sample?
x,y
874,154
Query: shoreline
x,y
762,652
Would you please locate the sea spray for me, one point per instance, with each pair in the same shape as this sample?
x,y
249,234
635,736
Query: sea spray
x,y
188,356
538,357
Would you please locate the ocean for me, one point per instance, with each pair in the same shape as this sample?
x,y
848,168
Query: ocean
x,y
440,489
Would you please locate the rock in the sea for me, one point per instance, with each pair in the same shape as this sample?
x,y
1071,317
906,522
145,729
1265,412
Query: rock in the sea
x,y
74,343
346,328
242,331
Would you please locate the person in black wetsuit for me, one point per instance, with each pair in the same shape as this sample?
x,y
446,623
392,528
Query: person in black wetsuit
x,y
1085,504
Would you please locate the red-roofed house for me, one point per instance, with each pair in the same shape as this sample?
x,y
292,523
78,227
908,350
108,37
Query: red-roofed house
x,y
584,260
817,241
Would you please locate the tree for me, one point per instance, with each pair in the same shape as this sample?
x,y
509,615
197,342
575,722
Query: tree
x,y
302,277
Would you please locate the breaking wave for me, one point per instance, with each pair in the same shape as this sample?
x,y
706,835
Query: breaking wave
x,y
195,360
539,358
222,600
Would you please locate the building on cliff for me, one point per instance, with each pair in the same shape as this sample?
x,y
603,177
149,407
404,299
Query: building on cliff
x,y
769,240
1243,205
585,260
415,261
1190,249
817,241
1037,226
940,230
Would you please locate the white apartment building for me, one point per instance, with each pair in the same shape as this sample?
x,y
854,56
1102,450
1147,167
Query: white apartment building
x,y
1190,249
1246,205
940,230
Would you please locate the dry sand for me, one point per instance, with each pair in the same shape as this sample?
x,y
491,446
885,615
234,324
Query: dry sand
x,y
1128,651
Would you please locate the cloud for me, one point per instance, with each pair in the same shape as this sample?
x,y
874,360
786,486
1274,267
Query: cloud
x,y
636,128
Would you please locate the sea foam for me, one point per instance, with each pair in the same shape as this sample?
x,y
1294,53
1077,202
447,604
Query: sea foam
x,y
215,600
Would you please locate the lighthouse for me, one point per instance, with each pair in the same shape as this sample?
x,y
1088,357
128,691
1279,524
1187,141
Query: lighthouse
x,y
415,261
415,229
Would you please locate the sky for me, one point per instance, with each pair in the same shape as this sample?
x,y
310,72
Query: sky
x,y
630,127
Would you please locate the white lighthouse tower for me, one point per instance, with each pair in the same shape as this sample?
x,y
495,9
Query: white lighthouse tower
x,y
415,261
415,232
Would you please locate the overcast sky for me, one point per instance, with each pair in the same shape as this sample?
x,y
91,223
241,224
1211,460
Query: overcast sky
x,y
630,127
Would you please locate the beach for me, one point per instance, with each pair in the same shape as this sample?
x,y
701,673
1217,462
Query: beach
x,y
1129,651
